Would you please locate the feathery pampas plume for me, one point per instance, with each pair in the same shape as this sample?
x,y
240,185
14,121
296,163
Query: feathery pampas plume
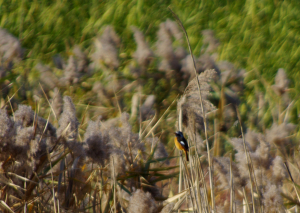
x,y
68,123
71,74
106,49
143,54
141,202
189,103
57,102
268,169
47,77
164,48
97,143
82,60
10,46
281,82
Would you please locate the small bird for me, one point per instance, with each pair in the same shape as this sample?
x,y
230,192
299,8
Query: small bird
x,y
182,144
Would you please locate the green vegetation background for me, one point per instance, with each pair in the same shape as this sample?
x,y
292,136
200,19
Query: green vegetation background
x,y
259,36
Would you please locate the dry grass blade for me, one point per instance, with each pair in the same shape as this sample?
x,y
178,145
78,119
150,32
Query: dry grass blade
x,y
175,197
179,203
294,185
116,97
21,178
48,101
8,182
160,118
9,99
11,107
149,124
5,206
287,112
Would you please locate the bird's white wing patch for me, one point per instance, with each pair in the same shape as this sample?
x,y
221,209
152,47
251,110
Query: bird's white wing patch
x,y
182,143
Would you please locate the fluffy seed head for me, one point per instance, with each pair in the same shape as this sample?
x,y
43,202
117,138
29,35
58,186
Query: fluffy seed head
x,y
141,202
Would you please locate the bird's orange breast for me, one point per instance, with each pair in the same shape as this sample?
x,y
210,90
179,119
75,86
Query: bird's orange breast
x,y
178,145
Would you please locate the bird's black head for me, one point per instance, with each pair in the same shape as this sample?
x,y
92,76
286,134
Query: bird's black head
x,y
178,134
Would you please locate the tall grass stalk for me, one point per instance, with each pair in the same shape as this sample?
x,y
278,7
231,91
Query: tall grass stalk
x,y
231,186
114,185
180,159
246,207
49,159
210,168
249,164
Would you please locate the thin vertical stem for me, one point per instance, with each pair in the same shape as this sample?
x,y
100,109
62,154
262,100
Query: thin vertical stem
x,y
231,186
180,159
247,209
248,160
210,169
114,184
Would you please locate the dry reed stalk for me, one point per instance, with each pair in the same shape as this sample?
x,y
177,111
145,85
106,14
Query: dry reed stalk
x,y
256,186
48,101
231,185
194,164
194,180
246,202
216,139
248,159
199,173
49,158
114,185
210,169
140,111
186,186
11,107
180,178
188,175
190,185
207,208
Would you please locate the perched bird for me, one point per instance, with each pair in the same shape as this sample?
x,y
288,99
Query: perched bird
x,y
181,144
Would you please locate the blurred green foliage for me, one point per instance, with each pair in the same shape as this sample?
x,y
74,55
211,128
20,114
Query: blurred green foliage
x,y
259,36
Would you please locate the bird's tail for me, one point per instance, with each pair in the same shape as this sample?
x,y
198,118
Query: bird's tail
x,y
186,155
